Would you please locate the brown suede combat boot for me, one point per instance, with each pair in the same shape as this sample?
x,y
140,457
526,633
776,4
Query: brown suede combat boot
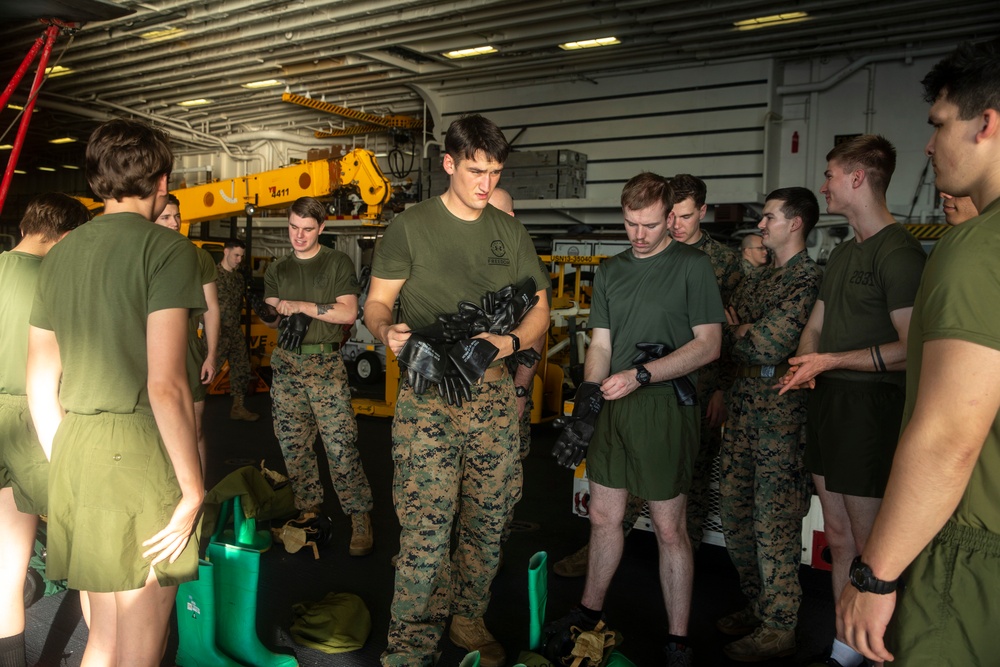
x,y
472,635
362,537
240,413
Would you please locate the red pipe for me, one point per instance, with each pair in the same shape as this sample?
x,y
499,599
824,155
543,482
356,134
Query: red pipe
x,y
19,74
22,130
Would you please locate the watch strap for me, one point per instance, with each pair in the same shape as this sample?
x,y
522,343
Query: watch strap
x,y
864,580
516,342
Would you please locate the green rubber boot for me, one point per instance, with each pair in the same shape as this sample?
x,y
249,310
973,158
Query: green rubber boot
x,y
244,532
471,660
196,623
237,571
538,595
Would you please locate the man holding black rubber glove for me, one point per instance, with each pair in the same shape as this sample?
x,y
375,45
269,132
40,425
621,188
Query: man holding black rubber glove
x,y
315,290
447,354
644,440
454,463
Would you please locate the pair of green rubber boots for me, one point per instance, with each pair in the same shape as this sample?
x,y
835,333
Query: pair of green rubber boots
x,y
217,613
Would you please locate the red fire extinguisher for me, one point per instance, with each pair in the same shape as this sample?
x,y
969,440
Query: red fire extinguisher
x,y
795,142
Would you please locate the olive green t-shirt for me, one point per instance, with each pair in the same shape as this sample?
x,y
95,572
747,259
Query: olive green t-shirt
x,y
862,284
445,259
654,299
96,289
18,275
320,279
958,299
197,346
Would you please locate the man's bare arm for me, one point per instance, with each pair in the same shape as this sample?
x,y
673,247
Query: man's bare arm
x,y
44,373
532,327
876,359
272,301
382,296
213,326
524,376
170,399
342,311
957,402
597,363
700,350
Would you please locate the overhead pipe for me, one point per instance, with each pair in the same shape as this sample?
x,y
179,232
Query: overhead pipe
x,y
311,23
178,131
208,85
835,78
346,37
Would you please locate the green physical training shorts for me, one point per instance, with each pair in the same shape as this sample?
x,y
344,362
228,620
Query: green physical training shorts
x,y
111,487
947,613
851,434
23,465
645,443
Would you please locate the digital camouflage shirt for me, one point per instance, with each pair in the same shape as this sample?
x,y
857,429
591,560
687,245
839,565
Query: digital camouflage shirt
x,y
777,302
231,287
718,375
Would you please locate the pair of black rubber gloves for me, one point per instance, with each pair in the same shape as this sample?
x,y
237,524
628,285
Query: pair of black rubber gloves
x,y
291,330
446,354
578,429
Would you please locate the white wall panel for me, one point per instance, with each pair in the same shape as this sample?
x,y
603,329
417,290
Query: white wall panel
x,y
670,121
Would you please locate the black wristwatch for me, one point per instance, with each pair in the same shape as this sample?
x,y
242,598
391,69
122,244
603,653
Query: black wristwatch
x,y
520,391
515,341
642,376
862,578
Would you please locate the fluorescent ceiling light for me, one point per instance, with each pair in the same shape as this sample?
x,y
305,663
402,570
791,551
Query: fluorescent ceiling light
x,y
589,43
20,171
166,32
70,166
468,53
46,169
58,70
266,83
200,102
774,19
6,147
63,140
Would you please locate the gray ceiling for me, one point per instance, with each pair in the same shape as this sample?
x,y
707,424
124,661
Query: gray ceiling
x,y
385,57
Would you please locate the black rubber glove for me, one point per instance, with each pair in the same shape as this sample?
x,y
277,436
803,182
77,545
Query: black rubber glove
x,y
526,358
683,387
649,351
474,317
424,361
524,298
447,329
571,445
265,311
471,357
488,302
454,388
292,331
510,306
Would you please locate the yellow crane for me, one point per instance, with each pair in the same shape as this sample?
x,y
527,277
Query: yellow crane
x,y
357,171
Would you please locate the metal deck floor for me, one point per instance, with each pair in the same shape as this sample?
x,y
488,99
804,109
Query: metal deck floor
x,y
55,634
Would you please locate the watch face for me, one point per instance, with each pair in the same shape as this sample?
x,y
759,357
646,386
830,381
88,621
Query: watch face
x,y
642,375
